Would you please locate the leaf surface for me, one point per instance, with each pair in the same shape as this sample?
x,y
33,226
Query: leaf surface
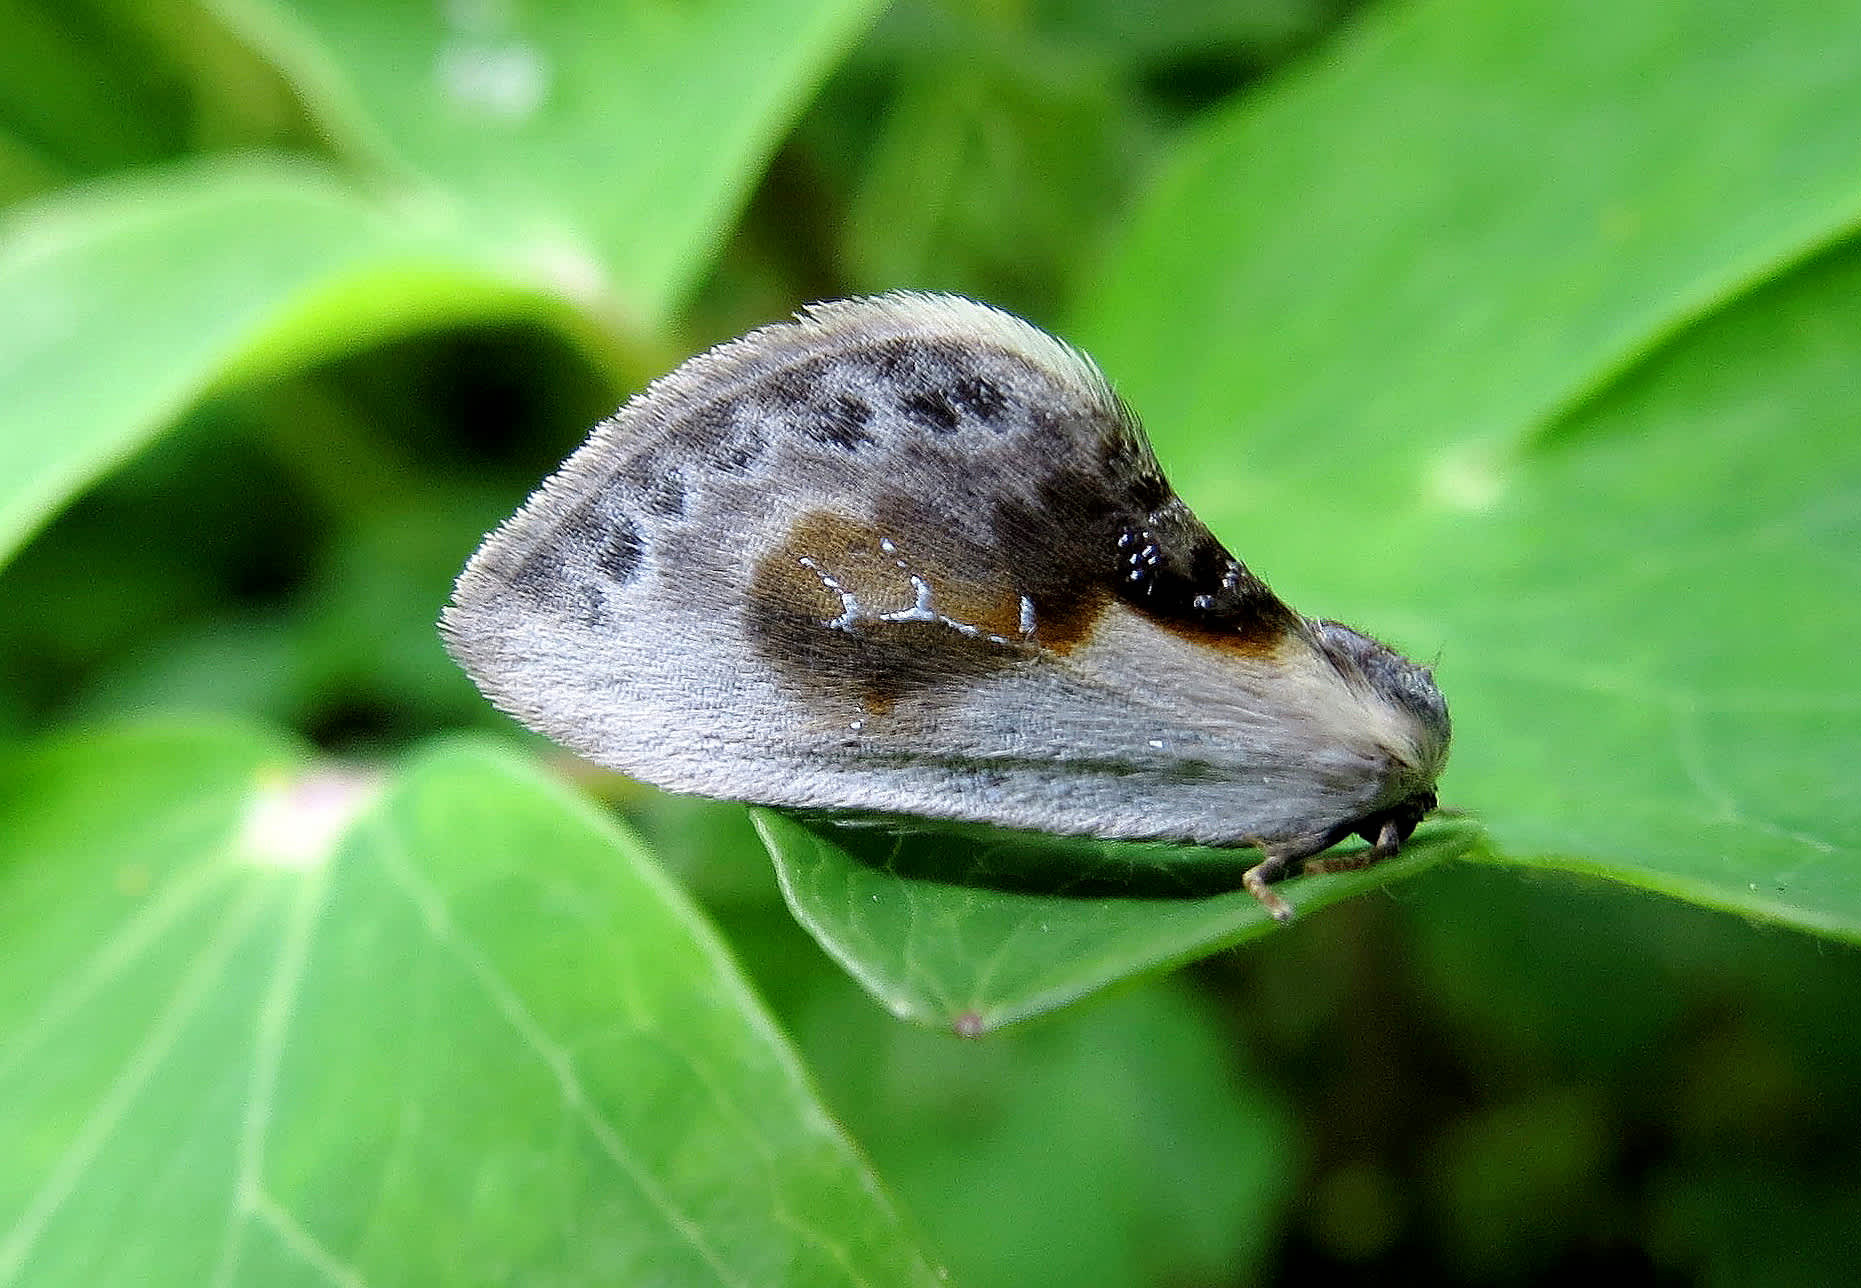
x,y
954,932
1363,286
452,1027
614,141
130,299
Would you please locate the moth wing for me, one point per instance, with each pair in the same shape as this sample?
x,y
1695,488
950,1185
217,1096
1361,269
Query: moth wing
x,y
905,554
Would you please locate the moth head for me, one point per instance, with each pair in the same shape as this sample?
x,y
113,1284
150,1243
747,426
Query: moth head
x,y
1405,687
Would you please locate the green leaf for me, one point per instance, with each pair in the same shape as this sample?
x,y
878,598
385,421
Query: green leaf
x,y
952,931
1413,330
128,300
988,175
1652,629
1415,252
267,1019
83,94
615,141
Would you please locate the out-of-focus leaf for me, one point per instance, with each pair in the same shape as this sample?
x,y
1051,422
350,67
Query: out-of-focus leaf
x,y
265,1020
127,300
1072,1110
1157,30
951,930
990,176
1754,1224
81,94
1511,1182
610,142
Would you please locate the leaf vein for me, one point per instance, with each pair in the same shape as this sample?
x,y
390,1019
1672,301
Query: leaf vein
x,y
504,998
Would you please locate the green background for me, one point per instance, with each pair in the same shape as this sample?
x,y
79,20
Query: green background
x,y
1526,335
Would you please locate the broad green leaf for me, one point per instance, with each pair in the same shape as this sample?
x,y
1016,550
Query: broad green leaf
x,y
956,932
1356,289
129,299
1352,311
614,141
1365,344
272,1021
1651,631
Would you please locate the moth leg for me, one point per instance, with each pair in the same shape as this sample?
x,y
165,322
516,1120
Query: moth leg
x,y
1269,869
1388,845
1278,860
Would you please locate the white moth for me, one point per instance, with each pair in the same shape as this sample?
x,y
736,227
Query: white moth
x,y
911,555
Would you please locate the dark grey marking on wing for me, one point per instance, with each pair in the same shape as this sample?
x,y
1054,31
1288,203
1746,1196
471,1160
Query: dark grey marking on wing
x,y
621,550
841,421
980,396
931,409
596,547
729,435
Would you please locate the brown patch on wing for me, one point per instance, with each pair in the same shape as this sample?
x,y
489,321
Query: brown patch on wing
x,y
843,606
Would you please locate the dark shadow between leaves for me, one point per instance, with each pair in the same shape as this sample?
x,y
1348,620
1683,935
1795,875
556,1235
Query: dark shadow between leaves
x,y
978,856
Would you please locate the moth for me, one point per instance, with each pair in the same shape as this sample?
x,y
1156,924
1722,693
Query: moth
x,y
910,555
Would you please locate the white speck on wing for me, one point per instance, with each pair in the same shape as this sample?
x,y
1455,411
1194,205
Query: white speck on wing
x,y
850,611
854,615
920,611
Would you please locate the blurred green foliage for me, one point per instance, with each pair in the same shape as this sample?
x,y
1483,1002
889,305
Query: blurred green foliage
x,y
1524,332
